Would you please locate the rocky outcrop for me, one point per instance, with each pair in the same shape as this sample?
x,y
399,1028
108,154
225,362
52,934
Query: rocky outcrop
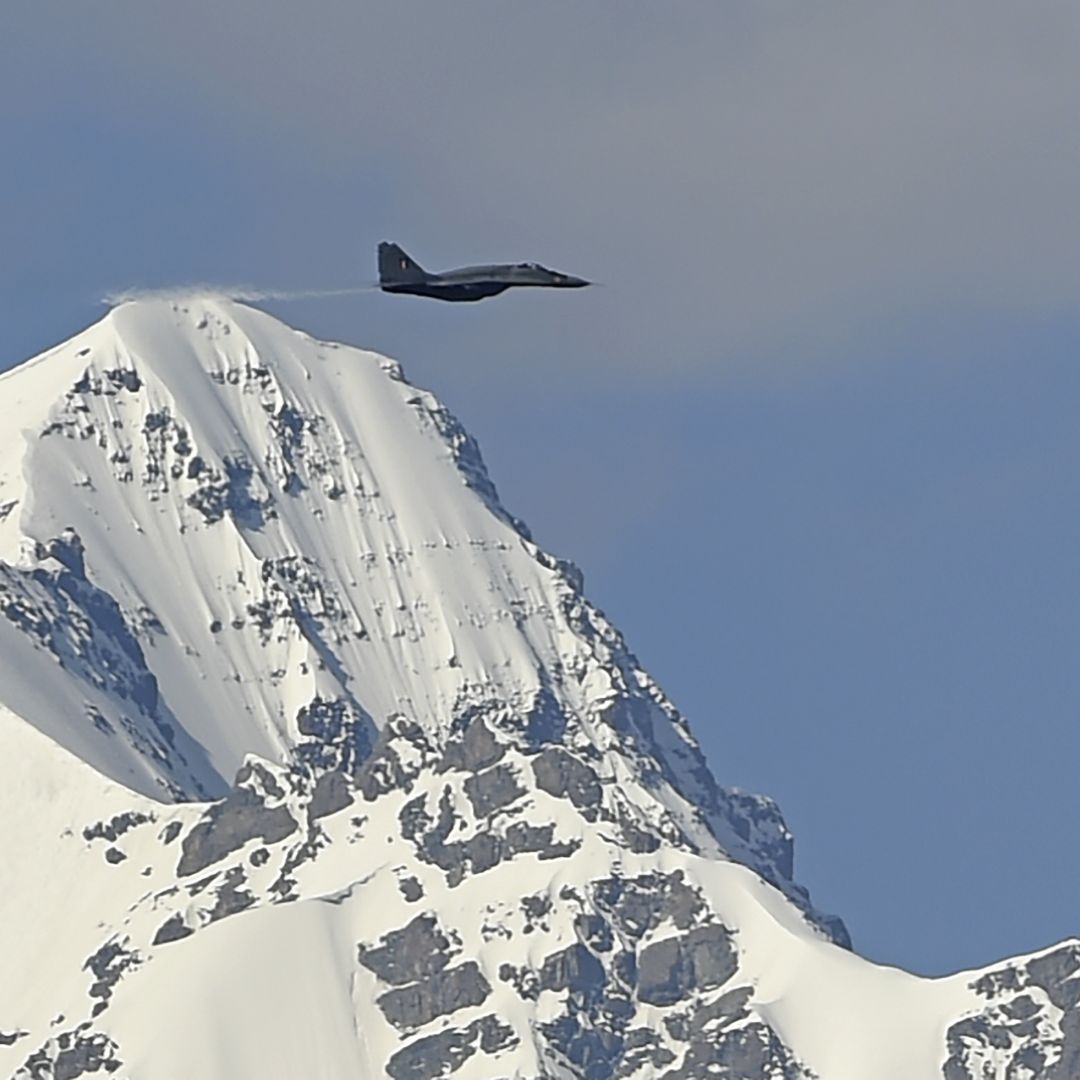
x,y
1030,1026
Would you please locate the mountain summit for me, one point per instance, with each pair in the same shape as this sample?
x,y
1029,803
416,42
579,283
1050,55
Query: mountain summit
x,y
312,763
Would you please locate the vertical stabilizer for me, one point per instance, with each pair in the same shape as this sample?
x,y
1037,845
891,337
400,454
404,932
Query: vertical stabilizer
x,y
398,268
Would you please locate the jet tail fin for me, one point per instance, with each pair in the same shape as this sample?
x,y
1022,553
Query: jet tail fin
x,y
398,268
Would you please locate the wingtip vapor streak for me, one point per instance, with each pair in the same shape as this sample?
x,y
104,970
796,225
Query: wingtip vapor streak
x,y
399,273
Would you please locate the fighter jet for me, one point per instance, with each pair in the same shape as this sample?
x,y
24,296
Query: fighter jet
x,y
398,273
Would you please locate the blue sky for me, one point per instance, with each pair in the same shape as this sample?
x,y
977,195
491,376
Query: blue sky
x,y
814,442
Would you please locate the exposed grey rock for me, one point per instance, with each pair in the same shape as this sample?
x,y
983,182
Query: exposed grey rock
x,y
546,722
330,795
228,825
114,855
108,965
8,1038
636,839
171,832
521,836
172,929
384,769
671,969
416,951
573,968
535,909
751,1052
439,1055
256,776
476,748
67,549
283,890
624,968
1057,973
688,1025
1067,1067
594,931
591,1049
523,979
338,734
411,889
232,493
87,631
641,904
71,1055
1015,1029
116,826
642,1047
590,1035
440,994
561,774
480,852
757,818
300,853
428,834
493,789
231,897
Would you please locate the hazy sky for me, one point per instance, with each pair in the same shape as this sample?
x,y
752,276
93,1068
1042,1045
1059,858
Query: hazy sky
x,y
814,442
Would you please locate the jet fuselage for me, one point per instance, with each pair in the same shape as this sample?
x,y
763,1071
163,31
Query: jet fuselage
x,y
398,273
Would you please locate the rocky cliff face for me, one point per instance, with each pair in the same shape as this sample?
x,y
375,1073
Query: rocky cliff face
x,y
314,764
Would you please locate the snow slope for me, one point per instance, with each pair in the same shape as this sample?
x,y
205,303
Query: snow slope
x,y
313,764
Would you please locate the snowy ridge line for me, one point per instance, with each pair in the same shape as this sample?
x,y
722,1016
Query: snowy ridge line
x,y
243,293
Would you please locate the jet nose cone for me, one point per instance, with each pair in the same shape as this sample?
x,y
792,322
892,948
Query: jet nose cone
x,y
571,282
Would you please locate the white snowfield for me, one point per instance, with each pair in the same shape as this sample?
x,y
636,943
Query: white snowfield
x,y
312,764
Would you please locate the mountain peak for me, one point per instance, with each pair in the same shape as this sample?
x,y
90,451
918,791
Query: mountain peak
x,y
312,762
175,307
285,546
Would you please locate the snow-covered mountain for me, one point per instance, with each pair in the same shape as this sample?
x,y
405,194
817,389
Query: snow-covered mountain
x,y
313,764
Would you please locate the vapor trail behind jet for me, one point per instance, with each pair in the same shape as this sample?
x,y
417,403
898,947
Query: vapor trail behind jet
x,y
231,292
